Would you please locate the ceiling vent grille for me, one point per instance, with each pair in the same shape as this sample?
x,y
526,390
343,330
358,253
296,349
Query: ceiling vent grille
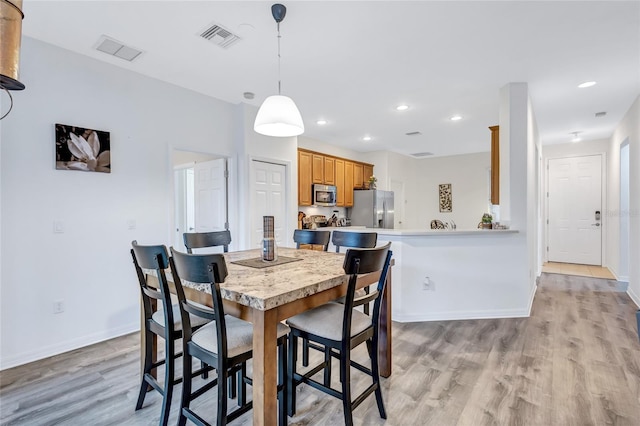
x,y
601,114
421,154
219,36
413,133
115,48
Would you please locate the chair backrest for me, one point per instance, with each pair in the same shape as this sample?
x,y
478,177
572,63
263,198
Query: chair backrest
x,y
318,238
364,261
354,239
200,269
153,258
195,240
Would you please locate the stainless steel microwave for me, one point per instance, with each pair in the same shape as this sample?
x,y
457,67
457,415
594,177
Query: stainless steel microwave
x,y
324,195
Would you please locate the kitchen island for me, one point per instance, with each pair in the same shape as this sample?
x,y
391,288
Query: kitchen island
x,y
457,274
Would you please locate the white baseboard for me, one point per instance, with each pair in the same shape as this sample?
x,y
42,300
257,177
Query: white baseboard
x,y
634,297
461,315
66,346
532,296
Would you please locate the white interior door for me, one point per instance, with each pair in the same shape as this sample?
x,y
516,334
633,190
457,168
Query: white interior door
x,y
575,210
268,198
210,192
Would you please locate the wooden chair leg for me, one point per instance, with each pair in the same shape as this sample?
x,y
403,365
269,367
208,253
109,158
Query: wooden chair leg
x,y
291,370
327,368
168,380
242,385
345,373
223,376
365,308
372,345
305,352
148,360
283,395
186,387
232,386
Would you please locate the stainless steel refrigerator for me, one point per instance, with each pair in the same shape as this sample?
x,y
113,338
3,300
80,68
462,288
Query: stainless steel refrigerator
x,y
373,209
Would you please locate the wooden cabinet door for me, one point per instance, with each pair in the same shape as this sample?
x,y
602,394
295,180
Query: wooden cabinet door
x,y
304,178
358,173
495,164
329,172
340,188
367,173
348,183
317,168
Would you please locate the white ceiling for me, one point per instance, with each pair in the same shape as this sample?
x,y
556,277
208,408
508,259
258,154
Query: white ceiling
x,y
351,63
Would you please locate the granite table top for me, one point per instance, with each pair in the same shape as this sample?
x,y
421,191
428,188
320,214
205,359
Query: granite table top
x,y
273,286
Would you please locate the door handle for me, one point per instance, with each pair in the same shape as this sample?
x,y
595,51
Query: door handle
x,y
595,224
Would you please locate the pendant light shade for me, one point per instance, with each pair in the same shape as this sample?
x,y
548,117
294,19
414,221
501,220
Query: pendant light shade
x,y
279,116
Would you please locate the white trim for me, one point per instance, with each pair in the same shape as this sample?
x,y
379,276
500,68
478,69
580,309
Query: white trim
x,y
634,297
66,346
462,315
532,297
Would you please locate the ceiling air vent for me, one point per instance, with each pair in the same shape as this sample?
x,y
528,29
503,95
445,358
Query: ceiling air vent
x,y
413,133
421,154
219,35
601,114
115,48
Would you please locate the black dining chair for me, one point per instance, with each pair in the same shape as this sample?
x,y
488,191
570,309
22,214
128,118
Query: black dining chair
x,y
196,240
309,237
341,328
354,239
226,343
165,322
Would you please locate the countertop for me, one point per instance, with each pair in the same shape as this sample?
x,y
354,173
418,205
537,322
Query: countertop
x,y
423,232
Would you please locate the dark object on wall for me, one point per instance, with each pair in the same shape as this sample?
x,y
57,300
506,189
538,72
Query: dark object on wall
x,y
11,17
446,205
82,149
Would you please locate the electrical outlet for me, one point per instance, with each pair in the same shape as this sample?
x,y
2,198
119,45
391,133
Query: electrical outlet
x,y
428,284
58,306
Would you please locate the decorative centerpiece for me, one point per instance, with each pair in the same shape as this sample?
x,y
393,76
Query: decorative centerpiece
x,y
269,249
372,182
487,221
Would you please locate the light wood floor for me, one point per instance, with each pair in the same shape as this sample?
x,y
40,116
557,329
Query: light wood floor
x,y
580,270
575,361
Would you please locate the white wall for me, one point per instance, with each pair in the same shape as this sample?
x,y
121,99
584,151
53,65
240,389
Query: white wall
x,y
469,178
89,265
628,129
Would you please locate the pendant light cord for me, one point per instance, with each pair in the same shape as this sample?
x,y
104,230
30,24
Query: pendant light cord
x,y
279,81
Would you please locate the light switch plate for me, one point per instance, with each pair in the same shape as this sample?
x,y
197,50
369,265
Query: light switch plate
x,y
58,227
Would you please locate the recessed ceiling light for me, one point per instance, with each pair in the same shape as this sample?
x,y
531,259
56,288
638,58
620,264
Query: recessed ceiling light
x,y
587,84
366,138
321,122
402,107
455,118
576,137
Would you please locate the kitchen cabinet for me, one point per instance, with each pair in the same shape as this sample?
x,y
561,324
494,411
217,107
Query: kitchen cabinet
x,y
317,167
358,175
367,173
348,183
495,164
329,171
304,178
340,187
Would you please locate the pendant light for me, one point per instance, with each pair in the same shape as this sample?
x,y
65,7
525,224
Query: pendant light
x,y
278,115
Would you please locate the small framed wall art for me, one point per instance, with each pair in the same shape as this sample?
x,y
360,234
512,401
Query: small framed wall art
x,y
446,205
79,148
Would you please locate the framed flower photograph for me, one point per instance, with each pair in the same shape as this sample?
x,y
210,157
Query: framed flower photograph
x,y
79,148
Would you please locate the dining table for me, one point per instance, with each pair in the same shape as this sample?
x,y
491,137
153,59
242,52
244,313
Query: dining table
x,y
265,293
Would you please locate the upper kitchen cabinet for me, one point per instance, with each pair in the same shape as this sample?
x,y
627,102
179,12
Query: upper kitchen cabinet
x,y
340,192
317,168
367,173
304,178
495,164
358,175
329,170
348,184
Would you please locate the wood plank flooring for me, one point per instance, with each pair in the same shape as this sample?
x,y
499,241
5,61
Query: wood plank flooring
x,y
575,361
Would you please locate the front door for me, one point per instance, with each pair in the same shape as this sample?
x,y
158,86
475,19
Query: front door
x,y
268,198
575,210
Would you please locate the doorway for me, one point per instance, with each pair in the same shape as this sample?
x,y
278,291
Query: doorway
x,y
268,198
200,194
575,210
